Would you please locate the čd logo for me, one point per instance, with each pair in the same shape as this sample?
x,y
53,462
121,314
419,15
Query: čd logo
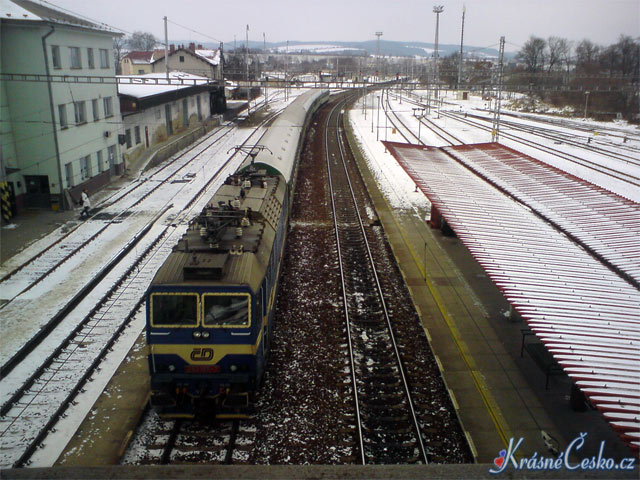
x,y
202,354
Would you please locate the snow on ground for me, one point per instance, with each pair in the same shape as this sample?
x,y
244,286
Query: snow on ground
x,y
610,135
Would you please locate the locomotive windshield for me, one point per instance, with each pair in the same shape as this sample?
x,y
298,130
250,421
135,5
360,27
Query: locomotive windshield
x,y
179,309
223,310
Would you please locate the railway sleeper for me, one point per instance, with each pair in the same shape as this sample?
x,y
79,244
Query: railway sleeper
x,y
382,399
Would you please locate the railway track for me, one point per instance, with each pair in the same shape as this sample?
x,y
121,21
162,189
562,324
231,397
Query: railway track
x,y
409,135
73,350
30,273
387,427
565,138
611,172
176,442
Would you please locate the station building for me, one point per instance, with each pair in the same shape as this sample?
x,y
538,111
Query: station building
x,y
60,124
155,108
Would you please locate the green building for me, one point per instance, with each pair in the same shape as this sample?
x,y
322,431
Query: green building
x,y
59,109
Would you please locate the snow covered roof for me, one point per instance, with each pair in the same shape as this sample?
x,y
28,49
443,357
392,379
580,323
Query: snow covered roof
x,y
605,223
30,11
587,316
142,86
211,56
138,57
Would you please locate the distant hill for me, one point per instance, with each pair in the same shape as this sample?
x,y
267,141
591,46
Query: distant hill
x,y
387,48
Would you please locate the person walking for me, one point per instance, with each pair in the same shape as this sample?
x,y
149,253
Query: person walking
x,y
86,204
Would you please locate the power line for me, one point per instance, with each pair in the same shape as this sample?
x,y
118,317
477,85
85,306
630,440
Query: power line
x,y
84,17
195,31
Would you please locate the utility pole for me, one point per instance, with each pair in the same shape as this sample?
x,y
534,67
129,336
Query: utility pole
x,y
495,131
378,34
286,67
464,9
246,61
437,9
166,48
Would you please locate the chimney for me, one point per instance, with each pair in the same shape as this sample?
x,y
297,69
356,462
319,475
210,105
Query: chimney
x,y
192,47
172,48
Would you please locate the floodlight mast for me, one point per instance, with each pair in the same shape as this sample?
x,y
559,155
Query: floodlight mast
x,y
437,9
378,34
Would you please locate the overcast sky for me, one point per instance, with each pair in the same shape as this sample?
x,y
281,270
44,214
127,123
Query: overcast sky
x,y
601,21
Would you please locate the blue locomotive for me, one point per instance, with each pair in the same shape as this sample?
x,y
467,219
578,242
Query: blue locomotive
x,y
210,307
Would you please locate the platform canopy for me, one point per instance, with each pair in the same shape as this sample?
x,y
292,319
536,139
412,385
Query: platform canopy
x,y
586,313
606,224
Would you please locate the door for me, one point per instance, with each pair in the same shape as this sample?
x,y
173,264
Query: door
x,y
167,116
185,113
37,191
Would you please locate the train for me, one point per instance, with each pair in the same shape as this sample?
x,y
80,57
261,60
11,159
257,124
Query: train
x,y
210,307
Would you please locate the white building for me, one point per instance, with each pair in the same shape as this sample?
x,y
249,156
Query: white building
x,y
60,124
154,109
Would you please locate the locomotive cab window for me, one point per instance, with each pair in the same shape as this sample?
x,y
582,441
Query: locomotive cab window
x,y
226,310
174,309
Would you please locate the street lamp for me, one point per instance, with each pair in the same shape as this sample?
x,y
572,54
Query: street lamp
x,y
437,9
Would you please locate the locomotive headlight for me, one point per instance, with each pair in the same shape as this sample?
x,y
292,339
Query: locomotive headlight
x,y
197,334
233,368
205,334
172,368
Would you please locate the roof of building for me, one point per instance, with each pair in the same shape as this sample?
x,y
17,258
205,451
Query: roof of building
x,y
139,57
586,315
26,10
210,56
150,84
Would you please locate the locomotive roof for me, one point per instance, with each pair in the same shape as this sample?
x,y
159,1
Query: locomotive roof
x,y
230,242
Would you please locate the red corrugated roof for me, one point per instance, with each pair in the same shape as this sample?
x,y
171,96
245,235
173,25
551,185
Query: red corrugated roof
x,y
586,314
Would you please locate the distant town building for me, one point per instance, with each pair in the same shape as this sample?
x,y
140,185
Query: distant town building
x,y
59,132
136,63
194,60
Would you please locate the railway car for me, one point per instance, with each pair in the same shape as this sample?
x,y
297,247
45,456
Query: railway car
x,y
210,307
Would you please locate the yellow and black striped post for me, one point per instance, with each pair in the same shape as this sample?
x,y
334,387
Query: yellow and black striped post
x,y
5,195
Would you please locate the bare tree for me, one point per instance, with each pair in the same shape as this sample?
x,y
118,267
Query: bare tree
x,y
532,53
559,51
143,41
118,47
587,54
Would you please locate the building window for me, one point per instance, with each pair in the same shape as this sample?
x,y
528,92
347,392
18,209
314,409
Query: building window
x,y
127,135
111,155
80,112
76,62
141,72
85,167
181,58
68,171
90,60
108,107
55,56
62,115
136,131
96,112
101,165
158,114
104,58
